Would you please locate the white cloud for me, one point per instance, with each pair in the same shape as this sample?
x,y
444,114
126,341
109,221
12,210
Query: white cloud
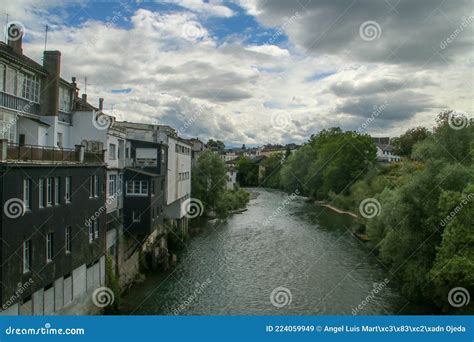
x,y
237,88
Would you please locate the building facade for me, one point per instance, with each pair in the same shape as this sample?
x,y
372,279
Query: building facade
x,y
52,192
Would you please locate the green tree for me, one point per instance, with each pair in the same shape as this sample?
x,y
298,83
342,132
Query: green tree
x,y
208,178
247,172
403,145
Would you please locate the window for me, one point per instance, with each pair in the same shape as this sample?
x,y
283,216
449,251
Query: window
x,y
144,187
49,247
127,153
96,228
68,189
64,100
139,188
29,86
121,148
96,186
67,238
91,231
112,151
41,191
26,193
112,185
56,190
152,187
120,183
60,140
135,216
49,193
26,256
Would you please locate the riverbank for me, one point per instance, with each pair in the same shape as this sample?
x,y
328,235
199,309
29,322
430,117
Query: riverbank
x,y
337,210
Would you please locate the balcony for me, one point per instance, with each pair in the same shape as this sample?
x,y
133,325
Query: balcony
x,y
33,153
19,104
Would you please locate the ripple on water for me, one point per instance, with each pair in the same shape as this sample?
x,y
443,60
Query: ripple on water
x,y
305,248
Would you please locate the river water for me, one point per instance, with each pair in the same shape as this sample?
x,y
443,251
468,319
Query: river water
x,y
302,261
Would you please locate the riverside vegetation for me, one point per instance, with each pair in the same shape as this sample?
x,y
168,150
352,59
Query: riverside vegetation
x,y
424,230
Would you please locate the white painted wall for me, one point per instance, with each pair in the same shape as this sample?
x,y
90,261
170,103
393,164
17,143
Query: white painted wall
x,y
177,163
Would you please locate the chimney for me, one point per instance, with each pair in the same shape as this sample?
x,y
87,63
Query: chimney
x,y
50,96
101,103
15,37
84,97
75,93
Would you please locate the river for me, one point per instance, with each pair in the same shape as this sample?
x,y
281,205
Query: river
x,y
302,261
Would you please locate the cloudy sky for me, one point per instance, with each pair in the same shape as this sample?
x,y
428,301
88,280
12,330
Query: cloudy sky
x,y
260,71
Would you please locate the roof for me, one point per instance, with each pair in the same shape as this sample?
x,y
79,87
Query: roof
x,y
381,140
384,147
38,121
143,172
7,52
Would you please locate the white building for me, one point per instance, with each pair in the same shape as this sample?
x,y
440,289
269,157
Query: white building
x,y
178,176
385,153
98,132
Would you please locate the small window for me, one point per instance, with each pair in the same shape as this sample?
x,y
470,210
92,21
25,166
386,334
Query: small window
x,y
60,140
57,183
49,192
49,247
91,231
112,151
96,186
41,192
68,239
91,186
26,256
96,229
27,193
112,185
68,189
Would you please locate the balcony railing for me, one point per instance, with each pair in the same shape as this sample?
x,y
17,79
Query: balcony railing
x,y
50,154
19,104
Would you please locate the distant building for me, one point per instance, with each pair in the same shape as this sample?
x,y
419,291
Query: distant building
x,y
231,181
385,152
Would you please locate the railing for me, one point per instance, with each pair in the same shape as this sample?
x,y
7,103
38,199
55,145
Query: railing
x,y
50,154
19,104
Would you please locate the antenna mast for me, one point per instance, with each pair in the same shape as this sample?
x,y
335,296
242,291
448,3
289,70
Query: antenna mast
x,y
46,37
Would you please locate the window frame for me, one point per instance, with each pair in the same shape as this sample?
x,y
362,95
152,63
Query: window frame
x,y
49,247
27,193
68,187
68,239
27,257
